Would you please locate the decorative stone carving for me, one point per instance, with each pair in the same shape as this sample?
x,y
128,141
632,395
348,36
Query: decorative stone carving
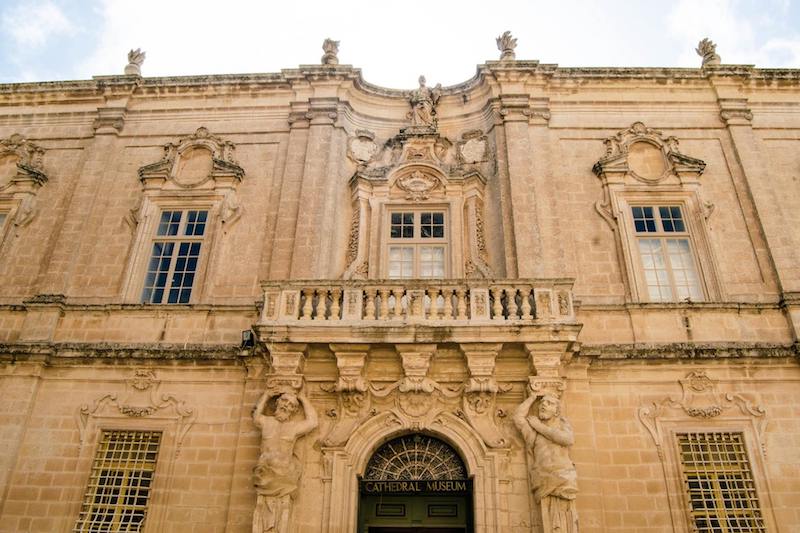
x,y
109,120
735,112
277,474
417,390
552,474
417,185
194,161
423,107
286,362
479,399
473,148
701,399
506,44
140,399
647,156
352,393
708,51
135,61
20,163
362,148
331,48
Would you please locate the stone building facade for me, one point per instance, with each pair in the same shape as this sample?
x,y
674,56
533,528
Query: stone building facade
x,y
299,302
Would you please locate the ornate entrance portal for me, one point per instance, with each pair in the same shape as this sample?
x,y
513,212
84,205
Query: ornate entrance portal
x,y
415,483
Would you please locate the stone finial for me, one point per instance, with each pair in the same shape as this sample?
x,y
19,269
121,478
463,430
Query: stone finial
x,y
135,60
331,48
506,44
708,51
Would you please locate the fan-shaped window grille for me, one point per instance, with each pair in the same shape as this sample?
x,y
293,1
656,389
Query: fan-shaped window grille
x,y
415,457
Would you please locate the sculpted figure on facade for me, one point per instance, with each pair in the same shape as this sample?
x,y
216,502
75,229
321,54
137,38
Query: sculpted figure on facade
x,y
506,44
708,51
277,474
548,438
423,105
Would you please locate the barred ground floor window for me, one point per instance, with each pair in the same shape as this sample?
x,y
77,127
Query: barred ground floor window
x,y
719,483
119,485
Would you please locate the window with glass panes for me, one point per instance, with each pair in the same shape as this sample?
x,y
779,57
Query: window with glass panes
x,y
120,481
417,244
719,483
665,250
175,256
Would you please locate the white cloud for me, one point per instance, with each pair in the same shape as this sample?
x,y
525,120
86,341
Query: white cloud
x,y
31,24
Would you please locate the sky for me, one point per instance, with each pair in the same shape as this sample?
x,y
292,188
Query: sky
x,y
391,42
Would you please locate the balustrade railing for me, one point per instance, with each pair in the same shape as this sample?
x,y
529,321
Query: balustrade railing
x,y
417,301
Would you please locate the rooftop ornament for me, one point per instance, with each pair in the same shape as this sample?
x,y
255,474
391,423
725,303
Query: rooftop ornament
x,y
708,51
331,48
135,60
506,44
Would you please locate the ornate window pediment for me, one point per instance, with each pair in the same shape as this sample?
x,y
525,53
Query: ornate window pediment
x,y
645,155
194,161
21,176
426,174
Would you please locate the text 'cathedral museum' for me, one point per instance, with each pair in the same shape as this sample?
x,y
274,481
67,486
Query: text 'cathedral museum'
x,y
544,300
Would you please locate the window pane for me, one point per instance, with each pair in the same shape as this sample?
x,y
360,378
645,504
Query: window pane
x,y
643,219
655,272
431,261
432,225
156,276
687,283
402,226
169,223
671,218
196,223
401,261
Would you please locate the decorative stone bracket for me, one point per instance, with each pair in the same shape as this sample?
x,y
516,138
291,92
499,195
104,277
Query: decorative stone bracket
x,y
479,399
416,390
286,367
548,368
352,392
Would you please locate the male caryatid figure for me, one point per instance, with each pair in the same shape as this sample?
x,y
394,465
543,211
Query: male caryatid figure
x,y
552,473
277,473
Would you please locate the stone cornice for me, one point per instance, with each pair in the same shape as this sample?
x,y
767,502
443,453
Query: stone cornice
x,y
678,351
82,352
312,73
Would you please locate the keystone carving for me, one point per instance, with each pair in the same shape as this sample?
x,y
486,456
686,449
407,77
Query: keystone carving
x,y
701,399
417,392
708,51
140,399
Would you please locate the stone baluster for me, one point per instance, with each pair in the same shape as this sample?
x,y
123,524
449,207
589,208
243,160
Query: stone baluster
x,y
461,304
305,312
447,295
398,302
433,296
525,293
513,306
497,306
336,293
384,307
322,303
369,312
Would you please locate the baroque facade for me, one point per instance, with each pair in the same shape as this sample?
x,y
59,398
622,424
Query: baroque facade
x,y
545,299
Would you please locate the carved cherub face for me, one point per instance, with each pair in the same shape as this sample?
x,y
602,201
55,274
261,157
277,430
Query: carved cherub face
x,y
548,407
286,406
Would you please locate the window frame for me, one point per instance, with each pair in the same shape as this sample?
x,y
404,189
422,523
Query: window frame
x,y
89,503
663,236
695,232
178,239
145,237
417,241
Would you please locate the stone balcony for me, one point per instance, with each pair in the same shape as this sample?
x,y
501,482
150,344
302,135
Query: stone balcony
x,y
418,310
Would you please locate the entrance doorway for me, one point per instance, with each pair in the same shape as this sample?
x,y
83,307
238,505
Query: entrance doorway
x,y
415,484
